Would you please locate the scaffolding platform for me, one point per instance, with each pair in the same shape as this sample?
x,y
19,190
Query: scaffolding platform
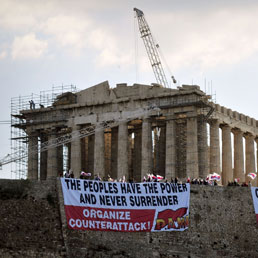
x,y
19,137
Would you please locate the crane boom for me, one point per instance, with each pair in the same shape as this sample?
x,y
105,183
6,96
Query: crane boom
x,y
151,48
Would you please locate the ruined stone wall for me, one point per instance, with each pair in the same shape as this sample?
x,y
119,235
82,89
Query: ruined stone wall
x,y
222,224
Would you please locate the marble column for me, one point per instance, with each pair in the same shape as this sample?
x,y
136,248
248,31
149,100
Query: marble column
x,y
83,154
90,156
99,156
238,155
60,160
160,151
137,155
214,147
147,165
170,150
108,152
43,158
86,154
68,145
203,149
130,156
114,151
32,156
122,157
192,167
52,157
227,171
156,154
76,152
249,157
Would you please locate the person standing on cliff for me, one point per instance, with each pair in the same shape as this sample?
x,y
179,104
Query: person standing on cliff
x,y
67,174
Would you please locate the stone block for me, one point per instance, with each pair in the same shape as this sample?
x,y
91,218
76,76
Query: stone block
x,y
253,122
230,112
248,120
236,115
218,107
243,118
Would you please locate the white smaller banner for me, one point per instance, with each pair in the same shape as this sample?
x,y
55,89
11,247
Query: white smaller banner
x,y
254,191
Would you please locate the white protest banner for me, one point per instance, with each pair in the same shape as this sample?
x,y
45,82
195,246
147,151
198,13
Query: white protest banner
x,y
126,207
254,191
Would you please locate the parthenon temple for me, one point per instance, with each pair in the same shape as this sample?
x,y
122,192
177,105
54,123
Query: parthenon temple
x,y
170,132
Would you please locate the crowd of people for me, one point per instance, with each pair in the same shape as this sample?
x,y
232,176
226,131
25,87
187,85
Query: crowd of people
x,y
155,178
235,183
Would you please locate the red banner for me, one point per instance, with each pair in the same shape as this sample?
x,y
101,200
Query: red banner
x,y
109,219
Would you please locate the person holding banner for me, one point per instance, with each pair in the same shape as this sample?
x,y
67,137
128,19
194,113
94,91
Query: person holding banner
x,y
67,174
97,178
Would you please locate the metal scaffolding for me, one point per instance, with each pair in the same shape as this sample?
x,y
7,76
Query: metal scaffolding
x,y
19,139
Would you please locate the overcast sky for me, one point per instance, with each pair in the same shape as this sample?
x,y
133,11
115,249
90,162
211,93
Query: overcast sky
x,y
46,43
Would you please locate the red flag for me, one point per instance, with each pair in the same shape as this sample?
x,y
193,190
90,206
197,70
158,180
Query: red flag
x,y
168,217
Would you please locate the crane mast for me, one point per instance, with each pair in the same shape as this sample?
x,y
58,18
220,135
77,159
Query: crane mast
x,y
151,48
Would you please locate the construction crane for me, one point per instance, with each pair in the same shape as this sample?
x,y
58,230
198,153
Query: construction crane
x,y
69,137
152,49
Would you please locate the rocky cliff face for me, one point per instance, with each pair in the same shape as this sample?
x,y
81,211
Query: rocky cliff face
x,y
30,223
